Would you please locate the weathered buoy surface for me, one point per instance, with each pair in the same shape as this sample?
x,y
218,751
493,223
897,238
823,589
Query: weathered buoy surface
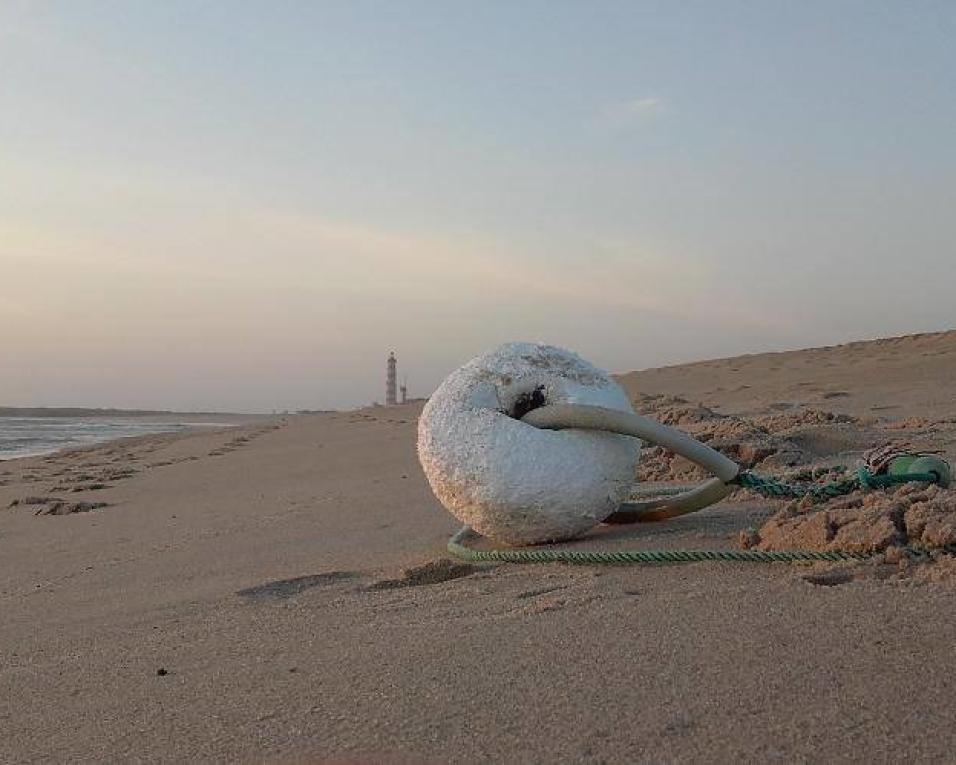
x,y
508,480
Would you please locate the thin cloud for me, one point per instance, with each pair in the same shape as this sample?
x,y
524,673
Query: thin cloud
x,y
632,112
642,106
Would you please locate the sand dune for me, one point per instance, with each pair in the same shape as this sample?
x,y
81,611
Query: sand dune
x,y
278,591
895,377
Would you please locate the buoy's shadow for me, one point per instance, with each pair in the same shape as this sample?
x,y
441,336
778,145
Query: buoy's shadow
x,y
717,524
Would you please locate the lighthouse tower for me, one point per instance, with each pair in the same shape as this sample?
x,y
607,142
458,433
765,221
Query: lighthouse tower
x,y
390,398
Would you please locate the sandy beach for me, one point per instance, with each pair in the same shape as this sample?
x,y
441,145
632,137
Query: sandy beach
x,y
272,592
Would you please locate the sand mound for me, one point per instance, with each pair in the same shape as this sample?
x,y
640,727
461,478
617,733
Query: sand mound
x,y
675,411
919,423
781,423
937,568
736,437
913,515
769,442
776,440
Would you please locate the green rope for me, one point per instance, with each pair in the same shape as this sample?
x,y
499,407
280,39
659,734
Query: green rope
x,y
864,479
458,548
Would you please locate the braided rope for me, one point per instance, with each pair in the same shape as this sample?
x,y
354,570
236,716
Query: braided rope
x,y
864,479
458,548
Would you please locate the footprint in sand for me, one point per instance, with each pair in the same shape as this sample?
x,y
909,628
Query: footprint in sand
x,y
286,588
57,506
436,572
835,394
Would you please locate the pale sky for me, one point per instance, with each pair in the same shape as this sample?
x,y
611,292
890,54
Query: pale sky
x,y
246,205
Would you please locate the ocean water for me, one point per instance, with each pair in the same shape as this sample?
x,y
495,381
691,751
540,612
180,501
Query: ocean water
x,y
29,436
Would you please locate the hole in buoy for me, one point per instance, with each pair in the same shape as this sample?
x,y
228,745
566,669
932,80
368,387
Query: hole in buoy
x,y
527,402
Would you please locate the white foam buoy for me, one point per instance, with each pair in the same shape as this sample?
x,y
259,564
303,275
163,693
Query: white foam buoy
x,y
508,480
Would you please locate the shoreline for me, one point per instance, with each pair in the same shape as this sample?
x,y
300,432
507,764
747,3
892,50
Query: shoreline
x,y
150,426
55,412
